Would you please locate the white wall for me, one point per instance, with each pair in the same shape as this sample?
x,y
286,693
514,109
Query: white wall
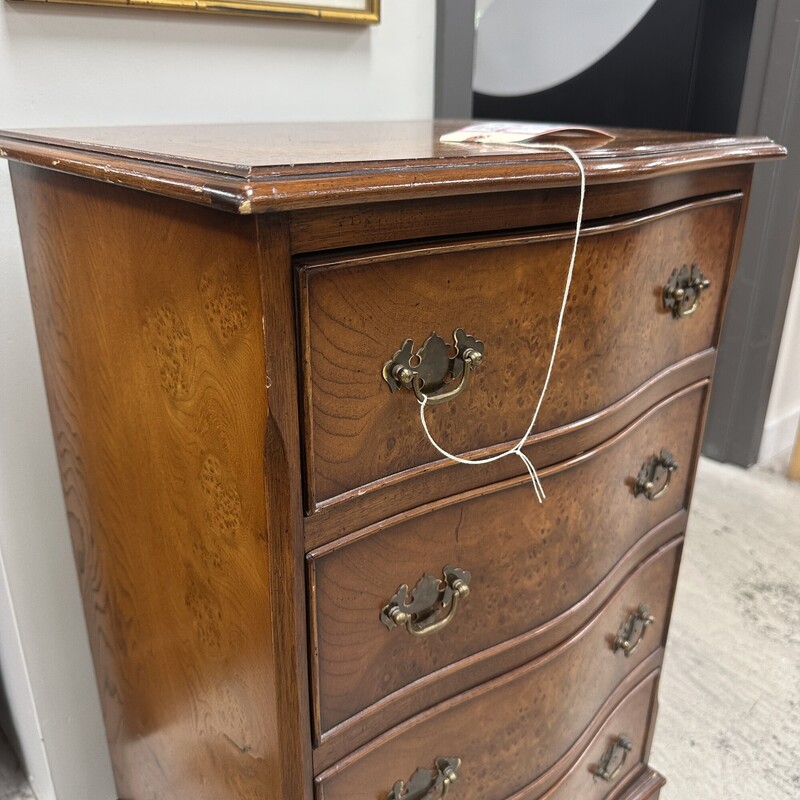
x,y
62,65
783,411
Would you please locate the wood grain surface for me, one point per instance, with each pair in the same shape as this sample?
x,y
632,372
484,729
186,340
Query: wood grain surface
x,y
471,672
510,731
518,552
358,309
211,377
631,718
283,483
431,482
252,168
149,322
330,228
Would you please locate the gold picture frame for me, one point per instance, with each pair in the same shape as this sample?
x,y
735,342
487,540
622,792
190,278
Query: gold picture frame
x,y
361,12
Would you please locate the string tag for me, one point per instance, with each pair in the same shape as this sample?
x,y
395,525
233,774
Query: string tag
x,y
517,449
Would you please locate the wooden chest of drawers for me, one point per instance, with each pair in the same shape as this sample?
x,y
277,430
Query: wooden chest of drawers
x,y
289,592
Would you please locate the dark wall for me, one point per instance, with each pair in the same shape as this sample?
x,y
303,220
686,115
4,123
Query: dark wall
x,y
681,68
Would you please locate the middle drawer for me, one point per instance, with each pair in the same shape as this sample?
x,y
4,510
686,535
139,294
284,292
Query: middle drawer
x,y
510,731
527,563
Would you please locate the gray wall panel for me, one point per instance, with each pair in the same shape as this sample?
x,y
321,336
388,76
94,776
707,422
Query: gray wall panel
x,y
757,308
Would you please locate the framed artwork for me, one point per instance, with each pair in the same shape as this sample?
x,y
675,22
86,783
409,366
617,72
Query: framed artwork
x,y
362,12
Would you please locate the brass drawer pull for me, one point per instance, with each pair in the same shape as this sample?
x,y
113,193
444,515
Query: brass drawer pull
x,y
614,759
428,784
430,370
632,633
433,603
654,476
683,291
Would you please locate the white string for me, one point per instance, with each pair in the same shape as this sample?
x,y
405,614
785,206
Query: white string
x,y
517,448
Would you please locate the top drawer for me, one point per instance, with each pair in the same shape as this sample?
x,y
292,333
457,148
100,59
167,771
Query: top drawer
x,y
358,308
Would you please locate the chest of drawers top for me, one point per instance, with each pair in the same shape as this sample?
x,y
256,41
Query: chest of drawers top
x,y
269,167
289,593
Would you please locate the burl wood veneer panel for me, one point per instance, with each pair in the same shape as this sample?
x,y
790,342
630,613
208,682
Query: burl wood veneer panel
x,y
149,318
529,564
359,308
632,718
510,731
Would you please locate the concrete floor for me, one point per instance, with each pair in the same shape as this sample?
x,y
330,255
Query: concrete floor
x,y
729,720
729,724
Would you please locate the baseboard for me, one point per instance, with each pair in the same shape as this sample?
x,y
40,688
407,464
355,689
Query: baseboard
x,y
778,436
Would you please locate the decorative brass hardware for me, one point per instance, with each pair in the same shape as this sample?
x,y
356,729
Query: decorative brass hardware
x,y
428,784
683,291
433,603
654,476
432,368
614,759
632,633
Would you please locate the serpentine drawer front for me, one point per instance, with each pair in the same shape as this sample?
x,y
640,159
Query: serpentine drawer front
x,y
507,732
623,326
575,775
510,547
289,593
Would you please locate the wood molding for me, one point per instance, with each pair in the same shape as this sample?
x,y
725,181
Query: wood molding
x,y
280,167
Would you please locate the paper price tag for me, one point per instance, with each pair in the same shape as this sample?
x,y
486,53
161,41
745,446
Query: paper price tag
x,y
519,132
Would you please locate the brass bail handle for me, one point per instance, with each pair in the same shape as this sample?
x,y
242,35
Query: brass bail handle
x,y
631,634
427,784
655,475
429,371
430,606
614,759
683,291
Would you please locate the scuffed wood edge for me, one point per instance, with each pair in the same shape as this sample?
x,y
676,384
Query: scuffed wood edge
x,y
242,190
647,787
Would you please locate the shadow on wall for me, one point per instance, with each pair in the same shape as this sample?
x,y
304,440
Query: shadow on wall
x,y
7,730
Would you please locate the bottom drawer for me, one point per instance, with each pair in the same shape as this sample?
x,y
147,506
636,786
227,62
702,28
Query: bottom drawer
x,y
613,757
605,763
510,732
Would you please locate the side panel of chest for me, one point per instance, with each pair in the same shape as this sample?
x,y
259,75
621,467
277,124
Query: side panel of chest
x,y
150,326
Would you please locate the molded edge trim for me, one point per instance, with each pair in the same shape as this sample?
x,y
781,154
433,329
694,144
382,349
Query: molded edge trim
x,y
241,189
